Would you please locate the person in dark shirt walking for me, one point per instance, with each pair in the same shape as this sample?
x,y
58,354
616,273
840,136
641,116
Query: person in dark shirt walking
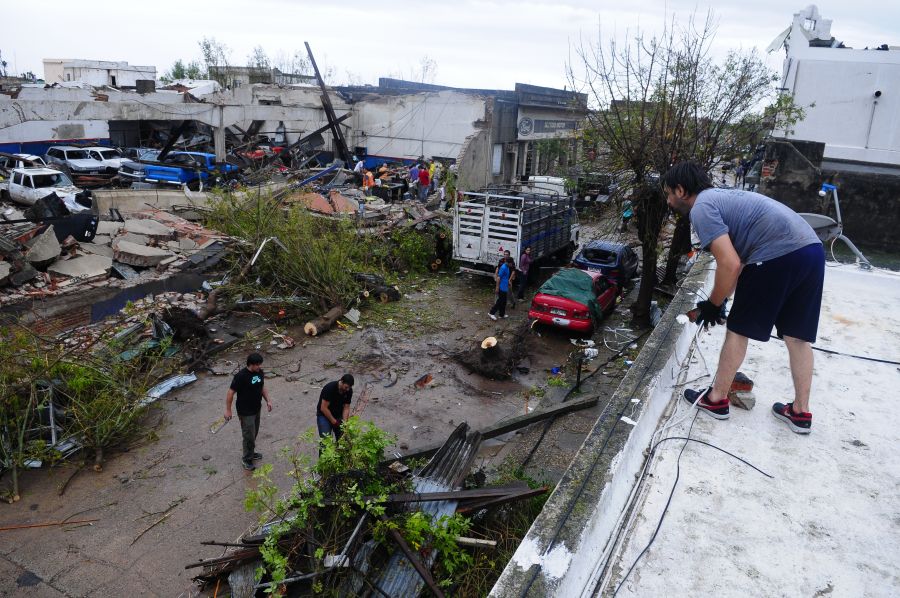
x,y
249,386
334,406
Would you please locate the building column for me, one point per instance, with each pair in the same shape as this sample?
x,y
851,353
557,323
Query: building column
x,y
219,136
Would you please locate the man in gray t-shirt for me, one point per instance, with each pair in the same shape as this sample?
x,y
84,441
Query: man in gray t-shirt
x,y
774,263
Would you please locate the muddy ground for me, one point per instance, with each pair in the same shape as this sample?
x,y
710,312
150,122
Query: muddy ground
x,y
179,485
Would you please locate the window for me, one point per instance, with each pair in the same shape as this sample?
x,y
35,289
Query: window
x,y
17,178
112,79
600,256
95,155
53,152
50,180
76,155
29,182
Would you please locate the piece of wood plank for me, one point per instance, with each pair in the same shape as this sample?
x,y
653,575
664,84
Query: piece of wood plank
x,y
475,542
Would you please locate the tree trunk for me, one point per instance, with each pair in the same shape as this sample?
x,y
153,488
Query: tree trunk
x,y
681,244
212,300
650,210
323,323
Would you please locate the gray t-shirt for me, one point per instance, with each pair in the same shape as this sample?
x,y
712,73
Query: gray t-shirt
x,y
760,228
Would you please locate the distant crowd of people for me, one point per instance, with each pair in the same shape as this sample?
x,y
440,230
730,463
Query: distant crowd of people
x,y
423,178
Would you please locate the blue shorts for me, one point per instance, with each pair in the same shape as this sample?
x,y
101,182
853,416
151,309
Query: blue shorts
x,y
785,293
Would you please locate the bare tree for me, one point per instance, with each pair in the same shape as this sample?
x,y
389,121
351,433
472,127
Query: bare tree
x,y
216,59
656,100
258,59
296,63
427,71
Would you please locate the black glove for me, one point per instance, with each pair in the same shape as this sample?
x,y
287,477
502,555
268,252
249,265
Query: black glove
x,y
710,313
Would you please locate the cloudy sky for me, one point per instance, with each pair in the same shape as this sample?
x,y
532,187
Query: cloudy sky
x,y
474,43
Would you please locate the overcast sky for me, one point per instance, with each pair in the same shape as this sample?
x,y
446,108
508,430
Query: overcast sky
x,y
474,43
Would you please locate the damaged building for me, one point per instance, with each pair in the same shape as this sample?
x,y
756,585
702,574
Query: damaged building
x,y
494,136
849,135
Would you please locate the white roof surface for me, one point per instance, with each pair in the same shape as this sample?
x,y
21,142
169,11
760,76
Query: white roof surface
x,y
828,524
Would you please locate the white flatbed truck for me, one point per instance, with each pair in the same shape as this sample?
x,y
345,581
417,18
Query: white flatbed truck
x,y
486,223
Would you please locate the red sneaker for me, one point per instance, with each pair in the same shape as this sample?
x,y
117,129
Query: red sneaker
x,y
801,423
718,410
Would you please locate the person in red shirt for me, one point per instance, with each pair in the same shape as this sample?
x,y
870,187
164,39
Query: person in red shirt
x,y
424,183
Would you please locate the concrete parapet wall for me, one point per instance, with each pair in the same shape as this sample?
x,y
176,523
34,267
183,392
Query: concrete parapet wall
x,y
136,200
562,554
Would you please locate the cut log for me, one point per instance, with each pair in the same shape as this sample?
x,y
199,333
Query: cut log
x,y
386,293
323,323
489,343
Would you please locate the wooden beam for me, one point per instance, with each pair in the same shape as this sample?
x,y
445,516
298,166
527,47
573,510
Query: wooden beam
x,y
509,425
343,150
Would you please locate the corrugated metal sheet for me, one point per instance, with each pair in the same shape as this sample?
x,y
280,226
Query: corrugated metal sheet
x,y
446,471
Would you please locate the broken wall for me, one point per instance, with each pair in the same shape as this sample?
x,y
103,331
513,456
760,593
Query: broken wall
x,y
418,124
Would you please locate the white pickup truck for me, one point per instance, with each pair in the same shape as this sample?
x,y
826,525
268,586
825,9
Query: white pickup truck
x,y
27,185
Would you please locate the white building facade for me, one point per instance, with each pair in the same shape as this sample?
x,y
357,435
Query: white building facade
x,y
851,97
96,72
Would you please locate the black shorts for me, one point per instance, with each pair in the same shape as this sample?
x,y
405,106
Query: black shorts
x,y
785,292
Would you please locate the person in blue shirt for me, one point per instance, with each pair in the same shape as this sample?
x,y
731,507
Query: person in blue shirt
x,y
502,289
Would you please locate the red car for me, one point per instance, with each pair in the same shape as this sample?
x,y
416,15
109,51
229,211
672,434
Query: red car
x,y
574,299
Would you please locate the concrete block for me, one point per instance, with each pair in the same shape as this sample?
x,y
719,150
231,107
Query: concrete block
x,y
101,239
88,266
24,275
139,255
44,250
187,244
150,228
110,229
5,267
96,249
743,399
132,238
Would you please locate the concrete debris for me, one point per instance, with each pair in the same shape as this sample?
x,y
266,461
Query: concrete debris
x,y
133,238
4,272
44,249
84,267
743,399
102,239
98,249
109,229
150,228
137,255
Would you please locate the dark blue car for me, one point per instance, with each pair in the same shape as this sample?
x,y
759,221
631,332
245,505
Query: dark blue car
x,y
617,261
185,168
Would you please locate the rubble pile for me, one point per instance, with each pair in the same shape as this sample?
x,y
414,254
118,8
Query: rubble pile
x,y
147,245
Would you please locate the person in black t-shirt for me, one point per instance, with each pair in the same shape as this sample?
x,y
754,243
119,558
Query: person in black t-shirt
x,y
249,386
334,406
